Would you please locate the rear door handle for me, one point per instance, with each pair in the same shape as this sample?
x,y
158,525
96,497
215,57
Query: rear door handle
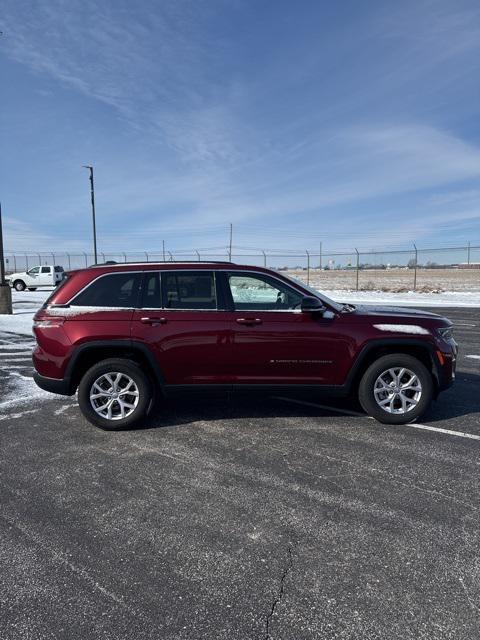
x,y
153,320
249,321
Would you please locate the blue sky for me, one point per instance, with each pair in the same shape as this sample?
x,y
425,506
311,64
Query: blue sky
x,y
351,123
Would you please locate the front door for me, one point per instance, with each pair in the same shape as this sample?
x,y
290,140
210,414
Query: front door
x,y
273,341
181,320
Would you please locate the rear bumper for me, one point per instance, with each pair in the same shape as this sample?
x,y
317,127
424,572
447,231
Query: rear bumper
x,y
53,385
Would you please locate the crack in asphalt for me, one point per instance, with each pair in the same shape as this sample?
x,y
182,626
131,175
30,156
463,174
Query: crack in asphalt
x,y
281,591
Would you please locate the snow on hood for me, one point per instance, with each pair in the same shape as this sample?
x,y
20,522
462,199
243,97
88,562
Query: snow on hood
x,y
402,328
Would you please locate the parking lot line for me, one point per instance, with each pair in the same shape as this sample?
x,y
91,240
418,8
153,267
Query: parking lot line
x,y
414,425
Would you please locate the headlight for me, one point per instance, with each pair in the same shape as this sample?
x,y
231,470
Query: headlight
x,y
446,332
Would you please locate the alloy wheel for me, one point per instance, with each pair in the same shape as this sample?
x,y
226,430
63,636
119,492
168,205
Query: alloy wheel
x,y
114,396
397,390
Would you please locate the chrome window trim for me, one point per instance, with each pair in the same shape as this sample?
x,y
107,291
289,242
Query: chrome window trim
x,y
223,270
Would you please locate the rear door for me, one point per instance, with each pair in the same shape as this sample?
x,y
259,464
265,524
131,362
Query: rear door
x,y
183,321
46,277
273,341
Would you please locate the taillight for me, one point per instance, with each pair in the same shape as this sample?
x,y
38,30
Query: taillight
x,y
54,323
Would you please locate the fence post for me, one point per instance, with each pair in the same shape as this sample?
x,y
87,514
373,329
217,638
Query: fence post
x,y
171,257
124,257
198,255
320,257
415,268
264,258
26,262
468,253
86,259
163,246
308,266
358,267
14,262
69,264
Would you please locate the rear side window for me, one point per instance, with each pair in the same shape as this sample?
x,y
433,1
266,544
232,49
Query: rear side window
x,y
113,290
152,295
45,269
188,290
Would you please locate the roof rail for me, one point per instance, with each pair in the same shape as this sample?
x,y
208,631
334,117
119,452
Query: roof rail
x,y
113,262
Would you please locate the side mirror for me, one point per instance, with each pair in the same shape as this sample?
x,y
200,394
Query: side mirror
x,y
312,304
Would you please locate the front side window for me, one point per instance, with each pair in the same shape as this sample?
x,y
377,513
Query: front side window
x,y
261,293
34,271
112,290
188,290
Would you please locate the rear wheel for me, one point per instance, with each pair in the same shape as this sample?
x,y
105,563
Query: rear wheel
x,y
19,285
396,389
114,394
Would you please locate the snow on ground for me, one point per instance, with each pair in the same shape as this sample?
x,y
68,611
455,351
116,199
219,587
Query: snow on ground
x,y
410,298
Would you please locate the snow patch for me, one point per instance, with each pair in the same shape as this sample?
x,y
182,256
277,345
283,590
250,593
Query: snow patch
x,y
403,328
77,311
473,357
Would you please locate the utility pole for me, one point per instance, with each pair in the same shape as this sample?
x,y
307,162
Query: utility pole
x,y
416,265
230,246
92,196
5,291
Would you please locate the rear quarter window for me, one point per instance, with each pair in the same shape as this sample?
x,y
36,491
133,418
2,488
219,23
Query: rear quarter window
x,y
112,290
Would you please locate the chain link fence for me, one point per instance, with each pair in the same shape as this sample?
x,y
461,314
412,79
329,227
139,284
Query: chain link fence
x,y
441,269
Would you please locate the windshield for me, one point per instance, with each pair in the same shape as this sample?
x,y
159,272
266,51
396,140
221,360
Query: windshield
x,y
315,292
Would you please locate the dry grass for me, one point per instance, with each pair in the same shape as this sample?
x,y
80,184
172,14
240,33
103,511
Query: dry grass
x,y
394,280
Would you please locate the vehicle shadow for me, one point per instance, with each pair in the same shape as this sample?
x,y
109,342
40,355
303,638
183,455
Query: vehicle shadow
x,y
460,400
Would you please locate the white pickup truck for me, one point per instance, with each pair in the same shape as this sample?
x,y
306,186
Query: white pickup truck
x,y
41,276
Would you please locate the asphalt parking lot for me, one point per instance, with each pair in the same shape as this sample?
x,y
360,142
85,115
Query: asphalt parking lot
x,y
244,518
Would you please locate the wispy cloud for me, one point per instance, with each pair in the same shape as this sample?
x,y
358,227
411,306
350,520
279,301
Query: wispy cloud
x,y
223,124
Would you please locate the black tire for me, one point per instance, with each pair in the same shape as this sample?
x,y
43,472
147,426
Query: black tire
x,y
366,389
19,285
32,288
130,369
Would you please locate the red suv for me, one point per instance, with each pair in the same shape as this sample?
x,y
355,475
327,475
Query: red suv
x,y
119,333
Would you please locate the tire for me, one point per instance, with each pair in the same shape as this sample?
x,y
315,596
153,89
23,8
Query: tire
x,y
128,370
19,285
403,407
32,288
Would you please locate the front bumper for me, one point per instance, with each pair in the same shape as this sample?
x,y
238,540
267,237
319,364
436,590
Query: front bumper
x,y
53,385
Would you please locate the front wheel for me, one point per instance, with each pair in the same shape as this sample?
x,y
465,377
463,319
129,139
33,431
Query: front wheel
x,y
19,285
396,389
114,394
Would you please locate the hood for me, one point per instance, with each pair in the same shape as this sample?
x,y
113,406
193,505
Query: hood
x,y
401,312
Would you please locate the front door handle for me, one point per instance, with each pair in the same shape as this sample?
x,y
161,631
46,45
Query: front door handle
x,y
249,321
153,321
